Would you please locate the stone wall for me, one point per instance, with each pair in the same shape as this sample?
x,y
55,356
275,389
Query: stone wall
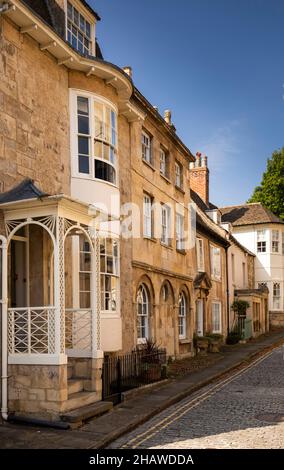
x,y
37,389
34,114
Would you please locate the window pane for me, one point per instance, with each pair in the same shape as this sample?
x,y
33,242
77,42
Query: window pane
x,y
85,262
85,300
83,105
83,164
103,264
104,171
98,149
83,145
74,41
83,124
88,29
82,23
85,282
69,11
76,17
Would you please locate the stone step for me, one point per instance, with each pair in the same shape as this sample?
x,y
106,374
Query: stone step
x,y
86,412
74,386
69,371
79,399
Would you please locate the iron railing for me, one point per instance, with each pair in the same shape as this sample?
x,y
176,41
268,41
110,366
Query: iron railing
x,y
128,371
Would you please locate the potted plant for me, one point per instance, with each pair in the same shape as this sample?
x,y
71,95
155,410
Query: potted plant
x,y
151,364
201,344
240,307
215,341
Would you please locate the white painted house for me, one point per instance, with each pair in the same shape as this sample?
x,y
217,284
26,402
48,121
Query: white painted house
x,y
261,232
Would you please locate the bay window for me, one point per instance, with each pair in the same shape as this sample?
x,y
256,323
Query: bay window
x,y
109,269
96,152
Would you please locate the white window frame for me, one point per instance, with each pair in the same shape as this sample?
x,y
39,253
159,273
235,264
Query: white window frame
x,y
275,241
165,224
108,296
276,295
178,174
216,265
147,216
182,311
146,147
87,18
179,231
74,135
143,316
200,254
217,311
261,244
163,162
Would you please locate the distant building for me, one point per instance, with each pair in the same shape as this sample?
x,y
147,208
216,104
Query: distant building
x,y
262,233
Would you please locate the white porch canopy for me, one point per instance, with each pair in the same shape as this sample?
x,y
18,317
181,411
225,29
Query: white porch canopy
x,y
47,334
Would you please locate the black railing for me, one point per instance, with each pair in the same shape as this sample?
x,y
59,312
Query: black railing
x,y
128,371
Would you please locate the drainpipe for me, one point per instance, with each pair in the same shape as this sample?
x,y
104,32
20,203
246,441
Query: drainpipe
x,y
227,290
4,369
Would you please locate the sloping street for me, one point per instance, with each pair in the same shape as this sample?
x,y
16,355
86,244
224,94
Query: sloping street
x,y
244,410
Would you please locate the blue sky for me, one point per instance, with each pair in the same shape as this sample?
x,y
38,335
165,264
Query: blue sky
x,y
219,66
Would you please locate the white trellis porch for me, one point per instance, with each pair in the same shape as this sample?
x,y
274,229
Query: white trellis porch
x,y
50,332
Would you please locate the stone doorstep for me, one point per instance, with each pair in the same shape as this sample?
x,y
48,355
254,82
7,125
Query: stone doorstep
x,y
86,412
80,399
75,386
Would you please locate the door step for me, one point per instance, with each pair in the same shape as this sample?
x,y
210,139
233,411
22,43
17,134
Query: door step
x,y
80,399
80,415
75,386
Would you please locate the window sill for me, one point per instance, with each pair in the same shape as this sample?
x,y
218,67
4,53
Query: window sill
x,y
184,341
179,189
167,246
181,251
151,239
166,178
149,164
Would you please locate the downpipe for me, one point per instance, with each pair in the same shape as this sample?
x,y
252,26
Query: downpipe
x,y
4,313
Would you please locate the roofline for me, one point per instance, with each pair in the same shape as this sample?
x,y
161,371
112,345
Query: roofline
x,y
156,115
243,248
86,5
280,222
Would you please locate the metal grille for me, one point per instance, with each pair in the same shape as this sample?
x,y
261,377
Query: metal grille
x,y
31,330
78,331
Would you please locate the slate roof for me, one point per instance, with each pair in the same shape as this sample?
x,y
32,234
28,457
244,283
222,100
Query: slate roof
x,y
248,214
25,190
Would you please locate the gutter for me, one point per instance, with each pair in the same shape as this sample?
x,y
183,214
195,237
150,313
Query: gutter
x,y
4,302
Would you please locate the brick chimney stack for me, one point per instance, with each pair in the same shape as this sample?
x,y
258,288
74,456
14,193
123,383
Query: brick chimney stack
x,y
199,177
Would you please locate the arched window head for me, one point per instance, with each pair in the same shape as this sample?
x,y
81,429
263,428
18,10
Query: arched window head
x,y
182,308
143,309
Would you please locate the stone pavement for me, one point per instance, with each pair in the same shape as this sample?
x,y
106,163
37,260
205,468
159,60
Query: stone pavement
x,y
242,411
129,415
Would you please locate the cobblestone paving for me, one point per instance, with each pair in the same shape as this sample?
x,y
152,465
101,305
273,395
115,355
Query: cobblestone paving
x,y
242,412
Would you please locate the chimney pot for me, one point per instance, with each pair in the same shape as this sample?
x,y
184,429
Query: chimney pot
x,y
128,70
198,160
168,116
204,161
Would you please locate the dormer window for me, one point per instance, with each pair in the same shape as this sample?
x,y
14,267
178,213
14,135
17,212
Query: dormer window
x,y
79,31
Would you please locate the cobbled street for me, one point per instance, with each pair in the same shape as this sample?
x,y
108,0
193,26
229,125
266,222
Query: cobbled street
x,y
244,410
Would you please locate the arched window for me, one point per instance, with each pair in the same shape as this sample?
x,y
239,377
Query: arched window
x,y
182,316
143,309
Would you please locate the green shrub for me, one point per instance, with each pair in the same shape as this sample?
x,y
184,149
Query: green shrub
x,y
233,338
